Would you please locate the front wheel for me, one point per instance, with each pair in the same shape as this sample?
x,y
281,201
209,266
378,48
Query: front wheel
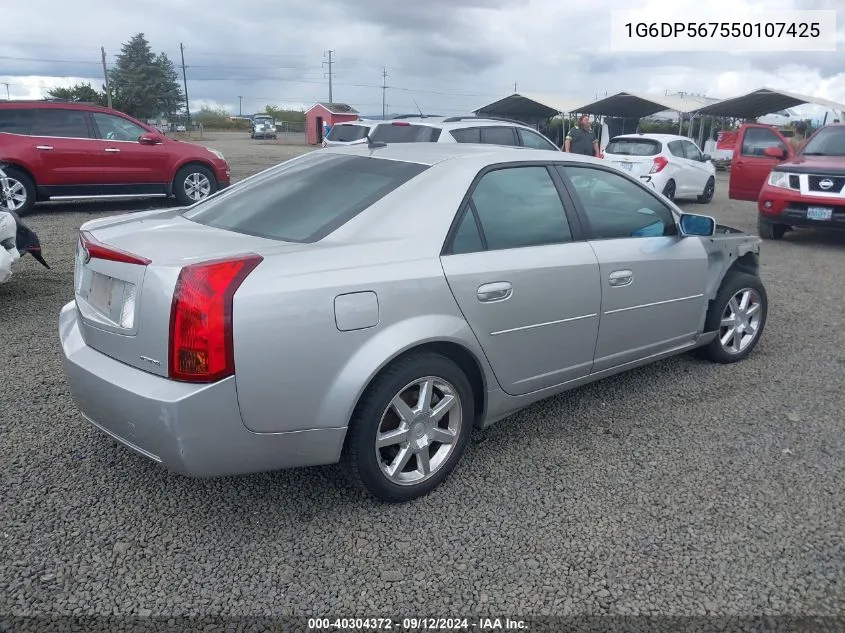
x,y
738,315
709,190
410,428
769,230
193,183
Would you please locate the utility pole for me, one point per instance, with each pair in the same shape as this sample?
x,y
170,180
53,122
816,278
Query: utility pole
x,y
383,93
8,96
514,87
240,106
106,75
185,82
329,74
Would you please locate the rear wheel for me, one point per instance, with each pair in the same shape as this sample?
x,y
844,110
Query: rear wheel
x,y
193,183
770,230
18,193
669,190
410,428
738,315
709,190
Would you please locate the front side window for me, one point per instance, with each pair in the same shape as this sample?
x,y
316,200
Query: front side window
x,y
692,152
516,207
757,139
618,208
305,199
534,140
115,128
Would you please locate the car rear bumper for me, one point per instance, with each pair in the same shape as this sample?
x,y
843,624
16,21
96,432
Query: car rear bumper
x,y
784,206
195,430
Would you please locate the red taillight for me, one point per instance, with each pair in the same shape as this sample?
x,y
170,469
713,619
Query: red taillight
x,y
201,348
659,163
98,250
401,123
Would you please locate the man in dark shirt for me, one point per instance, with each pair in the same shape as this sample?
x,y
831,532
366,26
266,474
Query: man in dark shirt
x,y
581,140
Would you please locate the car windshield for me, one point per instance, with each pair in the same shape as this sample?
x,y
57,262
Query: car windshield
x,y
404,133
828,141
304,199
633,147
347,133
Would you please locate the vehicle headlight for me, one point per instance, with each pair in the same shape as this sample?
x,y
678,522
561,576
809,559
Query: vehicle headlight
x,y
779,179
217,153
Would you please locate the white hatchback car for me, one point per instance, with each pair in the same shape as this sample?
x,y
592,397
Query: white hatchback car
x,y
671,164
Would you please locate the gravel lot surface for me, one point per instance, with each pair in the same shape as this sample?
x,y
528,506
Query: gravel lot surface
x,y
684,488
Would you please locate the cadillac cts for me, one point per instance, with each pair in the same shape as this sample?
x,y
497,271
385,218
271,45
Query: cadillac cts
x,y
372,304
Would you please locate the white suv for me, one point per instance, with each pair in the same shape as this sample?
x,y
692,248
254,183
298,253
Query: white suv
x,y
671,164
459,129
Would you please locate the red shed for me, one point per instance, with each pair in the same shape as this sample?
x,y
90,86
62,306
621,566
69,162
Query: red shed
x,y
326,113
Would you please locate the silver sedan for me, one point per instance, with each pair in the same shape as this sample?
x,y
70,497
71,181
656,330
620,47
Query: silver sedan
x,y
372,304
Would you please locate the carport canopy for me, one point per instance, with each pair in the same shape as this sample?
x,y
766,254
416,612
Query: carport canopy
x,y
532,106
765,101
630,105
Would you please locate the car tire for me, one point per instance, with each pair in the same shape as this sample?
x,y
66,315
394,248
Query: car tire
x,y
21,185
735,290
709,190
771,230
368,466
193,183
669,190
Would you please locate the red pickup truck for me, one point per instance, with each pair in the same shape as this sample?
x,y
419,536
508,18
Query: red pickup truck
x,y
793,189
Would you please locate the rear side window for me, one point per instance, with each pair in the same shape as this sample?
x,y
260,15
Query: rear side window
x,y
499,136
633,147
467,135
60,123
405,133
306,199
15,121
347,133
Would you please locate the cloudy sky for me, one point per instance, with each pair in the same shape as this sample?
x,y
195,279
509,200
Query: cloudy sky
x,y
448,56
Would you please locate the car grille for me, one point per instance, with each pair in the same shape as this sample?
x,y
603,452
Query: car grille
x,y
794,182
815,183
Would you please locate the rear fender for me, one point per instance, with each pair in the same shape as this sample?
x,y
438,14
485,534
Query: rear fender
x,y
347,386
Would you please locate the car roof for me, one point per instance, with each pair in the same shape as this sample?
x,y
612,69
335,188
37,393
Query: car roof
x,y
654,137
433,153
47,104
450,123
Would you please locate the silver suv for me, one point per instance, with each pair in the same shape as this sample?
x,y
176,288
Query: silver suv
x,y
460,129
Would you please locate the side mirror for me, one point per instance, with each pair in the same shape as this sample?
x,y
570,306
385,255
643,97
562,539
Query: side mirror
x,y
150,139
706,158
697,225
774,152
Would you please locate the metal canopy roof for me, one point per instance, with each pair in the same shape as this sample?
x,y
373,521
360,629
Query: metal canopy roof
x,y
764,101
631,105
528,105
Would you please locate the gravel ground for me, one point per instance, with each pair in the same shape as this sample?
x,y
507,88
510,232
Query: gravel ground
x,y
685,488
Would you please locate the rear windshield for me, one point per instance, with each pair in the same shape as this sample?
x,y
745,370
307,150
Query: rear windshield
x,y
405,133
633,147
305,199
828,141
347,133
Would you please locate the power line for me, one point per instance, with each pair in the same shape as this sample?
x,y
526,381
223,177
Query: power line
x,y
329,73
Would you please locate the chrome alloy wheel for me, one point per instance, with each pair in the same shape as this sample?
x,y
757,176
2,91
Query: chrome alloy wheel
x,y
13,194
418,430
197,186
740,322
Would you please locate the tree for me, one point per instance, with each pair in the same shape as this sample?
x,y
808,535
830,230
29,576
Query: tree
x,y
280,114
143,84
80,92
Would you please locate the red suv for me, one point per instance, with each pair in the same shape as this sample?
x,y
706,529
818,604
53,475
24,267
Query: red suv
x,y
792,189
58,150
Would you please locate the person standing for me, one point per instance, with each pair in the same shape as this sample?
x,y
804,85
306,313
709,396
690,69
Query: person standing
x,y
799,135
581,140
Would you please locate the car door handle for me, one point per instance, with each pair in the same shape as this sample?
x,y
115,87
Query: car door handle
x,y
496,291
47,147
112,150
620,278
